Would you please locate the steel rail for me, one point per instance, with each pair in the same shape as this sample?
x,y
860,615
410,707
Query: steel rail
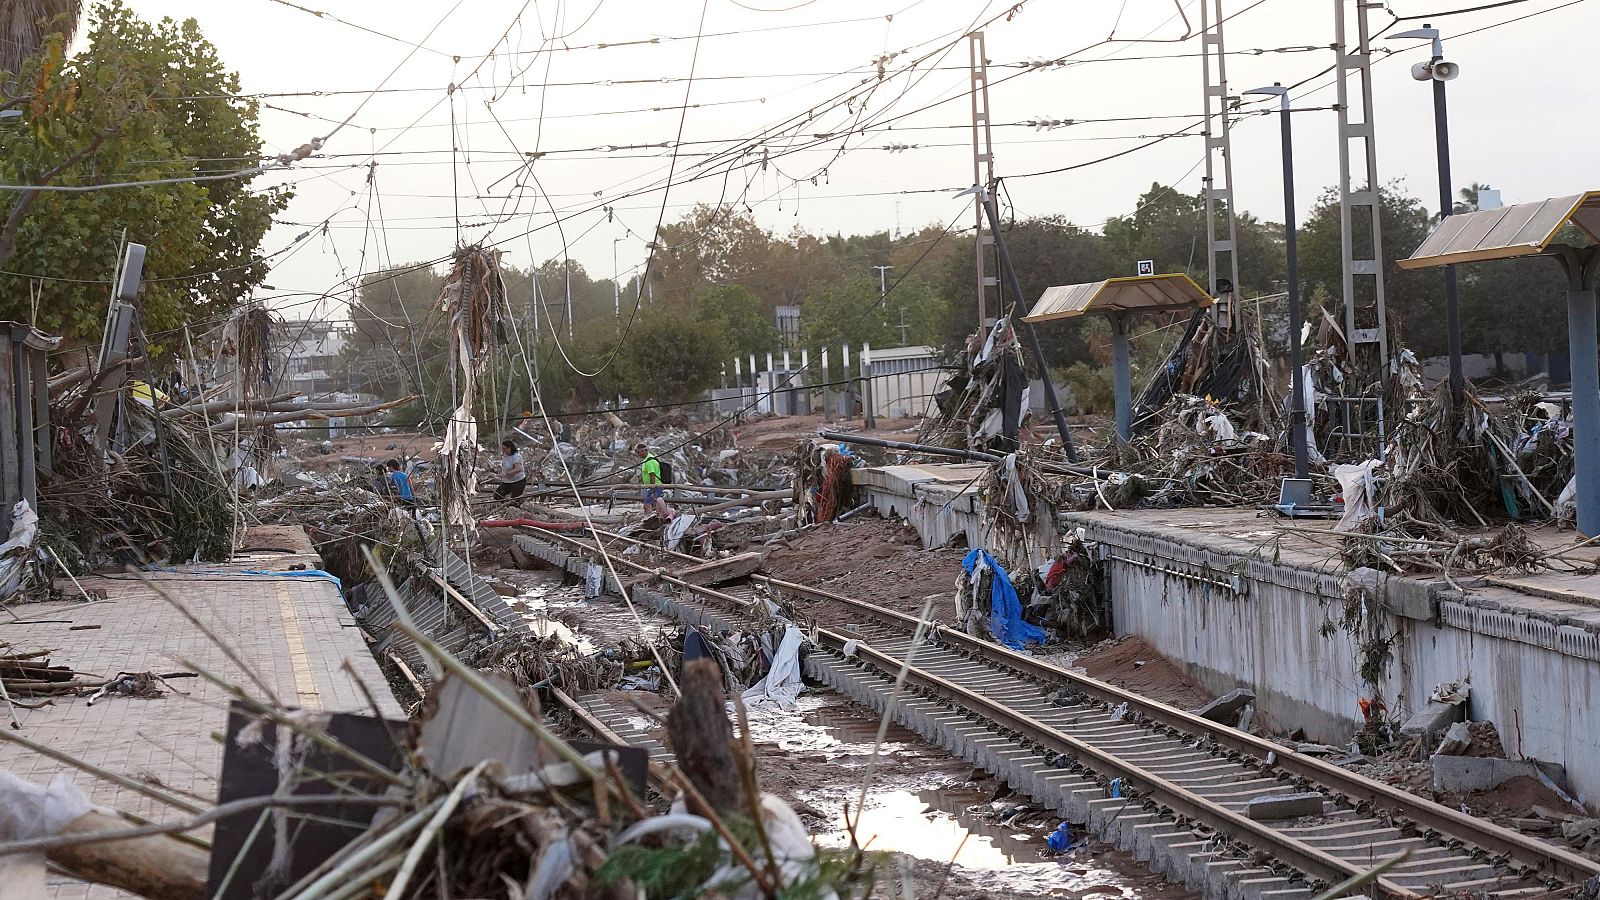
x,y
1529,852
600,730
1297,854
1534,856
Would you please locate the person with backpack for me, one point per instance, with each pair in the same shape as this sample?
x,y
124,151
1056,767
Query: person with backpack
x,y
653,473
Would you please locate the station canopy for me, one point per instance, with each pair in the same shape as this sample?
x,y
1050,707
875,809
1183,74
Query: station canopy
x,y
1526,229
1135,294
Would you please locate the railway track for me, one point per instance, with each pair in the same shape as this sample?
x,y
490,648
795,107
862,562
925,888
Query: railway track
x,y
1168,786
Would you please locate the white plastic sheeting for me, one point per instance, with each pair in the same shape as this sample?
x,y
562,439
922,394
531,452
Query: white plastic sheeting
x,y
18,548
782,683
1360,493
29,811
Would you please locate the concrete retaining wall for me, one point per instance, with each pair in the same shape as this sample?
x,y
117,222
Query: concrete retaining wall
x,y
1234,621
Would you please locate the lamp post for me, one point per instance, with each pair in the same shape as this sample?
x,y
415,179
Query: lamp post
x,y
1438,71
1297,400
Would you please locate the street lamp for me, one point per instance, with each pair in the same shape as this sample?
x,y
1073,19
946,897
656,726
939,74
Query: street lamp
x,y
1438,71
1297,400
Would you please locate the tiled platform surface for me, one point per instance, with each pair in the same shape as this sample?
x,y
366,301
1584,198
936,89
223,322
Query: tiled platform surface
x,y
294,632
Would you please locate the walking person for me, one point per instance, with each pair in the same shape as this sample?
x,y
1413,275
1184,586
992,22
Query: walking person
x,y
513,475
655,496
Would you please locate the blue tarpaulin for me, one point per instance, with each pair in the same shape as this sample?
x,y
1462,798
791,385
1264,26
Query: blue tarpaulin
x,y
1005,609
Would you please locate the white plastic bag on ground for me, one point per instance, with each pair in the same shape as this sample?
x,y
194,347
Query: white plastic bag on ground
x,y
28,811
782,683
678,528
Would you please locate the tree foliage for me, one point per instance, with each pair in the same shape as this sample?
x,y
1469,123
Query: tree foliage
x,y
138,103
736,314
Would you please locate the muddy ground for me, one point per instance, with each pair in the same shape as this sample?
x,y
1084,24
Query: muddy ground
x,y
1130,662
877,560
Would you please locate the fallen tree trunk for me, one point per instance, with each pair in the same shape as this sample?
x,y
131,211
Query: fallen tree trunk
x,y
752,500
322,413
213,407
151,866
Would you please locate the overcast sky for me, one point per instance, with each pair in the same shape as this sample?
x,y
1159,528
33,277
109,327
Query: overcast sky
x,y
1517,122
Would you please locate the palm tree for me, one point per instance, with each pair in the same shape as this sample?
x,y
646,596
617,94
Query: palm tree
x,y
24,25
1469,197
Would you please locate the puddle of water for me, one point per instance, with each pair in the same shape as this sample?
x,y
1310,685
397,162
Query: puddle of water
x,y
941,826
814,724
913,822
601,622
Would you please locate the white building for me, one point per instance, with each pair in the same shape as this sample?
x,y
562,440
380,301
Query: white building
x,y
307,357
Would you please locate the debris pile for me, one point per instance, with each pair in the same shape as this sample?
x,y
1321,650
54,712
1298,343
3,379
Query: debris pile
x,y
480,797
474,302
155,492
985,404
1196,455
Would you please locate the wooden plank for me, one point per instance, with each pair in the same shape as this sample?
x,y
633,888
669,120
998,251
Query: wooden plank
x,y
10,474
722,571
466,728
466,604
41,412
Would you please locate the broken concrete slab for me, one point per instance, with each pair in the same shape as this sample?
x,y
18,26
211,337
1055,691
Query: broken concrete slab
x,y
1465,774
1226,709
1433,718
1457,740
1284,806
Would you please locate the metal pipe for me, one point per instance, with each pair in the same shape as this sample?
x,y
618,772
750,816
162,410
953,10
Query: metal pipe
x,y
1297,403
1452,292
910,448
1028,334
1122,377
853,512
1580,266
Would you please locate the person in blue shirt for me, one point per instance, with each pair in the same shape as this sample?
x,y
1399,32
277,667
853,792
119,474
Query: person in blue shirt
x,y
401,483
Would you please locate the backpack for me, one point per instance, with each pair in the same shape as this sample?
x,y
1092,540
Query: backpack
x,y
666,471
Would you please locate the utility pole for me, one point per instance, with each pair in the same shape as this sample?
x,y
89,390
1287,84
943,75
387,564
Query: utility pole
x,y
982,173
904,328
883,279
1365,325
616,289
1218,185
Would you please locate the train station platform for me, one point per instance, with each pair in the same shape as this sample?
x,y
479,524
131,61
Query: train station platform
x,y
291,629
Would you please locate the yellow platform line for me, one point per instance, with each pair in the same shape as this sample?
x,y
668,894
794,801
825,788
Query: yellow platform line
x,y
305,680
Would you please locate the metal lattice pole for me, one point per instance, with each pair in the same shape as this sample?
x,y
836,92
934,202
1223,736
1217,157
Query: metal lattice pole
x,y
1365,319
1219,166
982,174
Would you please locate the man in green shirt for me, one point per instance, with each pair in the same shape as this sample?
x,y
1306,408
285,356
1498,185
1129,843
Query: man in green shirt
x,y
655,496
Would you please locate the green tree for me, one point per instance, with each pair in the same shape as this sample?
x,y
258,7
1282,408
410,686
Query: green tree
x,y
736,314
670,357
850,313
1169,227
1414,297
139,103
393,337
1047,251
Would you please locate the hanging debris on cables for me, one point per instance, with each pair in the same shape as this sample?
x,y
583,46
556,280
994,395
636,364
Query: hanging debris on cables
x,y
474,301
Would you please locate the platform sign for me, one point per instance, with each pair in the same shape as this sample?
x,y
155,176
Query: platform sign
x,y
1147,267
